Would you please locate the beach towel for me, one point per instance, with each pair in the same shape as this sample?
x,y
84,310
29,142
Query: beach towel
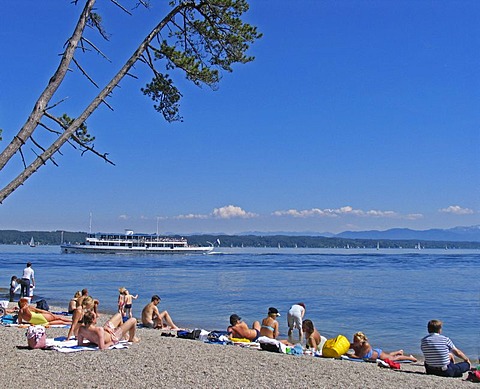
x,y
273,345
70,346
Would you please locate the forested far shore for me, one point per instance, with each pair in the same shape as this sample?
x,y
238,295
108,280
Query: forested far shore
x,y
54,238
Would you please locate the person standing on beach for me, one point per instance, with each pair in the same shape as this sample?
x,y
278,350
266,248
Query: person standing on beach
x,y
438,349
294,319
13,287
152,318
128,303
27,280
121,300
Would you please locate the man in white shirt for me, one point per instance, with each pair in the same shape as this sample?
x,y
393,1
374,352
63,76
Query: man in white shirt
x,y
27,280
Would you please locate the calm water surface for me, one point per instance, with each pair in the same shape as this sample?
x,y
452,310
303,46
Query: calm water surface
x,y
388,294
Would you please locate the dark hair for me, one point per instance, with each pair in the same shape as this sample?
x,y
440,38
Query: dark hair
x,y
84,292
434,326
156,297
29,264
14,278
302,305
308,324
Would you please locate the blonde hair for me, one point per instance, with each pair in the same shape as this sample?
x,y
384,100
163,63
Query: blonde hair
x,y
122,290
88,302
360,336
77,294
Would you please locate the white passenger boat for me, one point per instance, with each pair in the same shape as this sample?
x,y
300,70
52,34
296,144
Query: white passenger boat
x,y
130,242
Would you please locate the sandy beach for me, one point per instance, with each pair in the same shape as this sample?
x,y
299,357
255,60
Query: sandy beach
x,y
180,363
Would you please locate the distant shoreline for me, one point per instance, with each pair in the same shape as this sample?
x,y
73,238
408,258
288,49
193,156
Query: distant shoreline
x,y
55,238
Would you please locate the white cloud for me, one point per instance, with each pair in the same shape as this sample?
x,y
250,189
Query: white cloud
x,y
414,216
342,211
124,217
191,216
231,211
457,210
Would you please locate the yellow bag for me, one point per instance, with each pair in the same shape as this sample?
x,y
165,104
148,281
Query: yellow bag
x,y
335,347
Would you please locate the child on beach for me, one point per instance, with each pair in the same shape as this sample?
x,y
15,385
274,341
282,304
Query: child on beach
x,y
128,303
121,300
14,286
363,350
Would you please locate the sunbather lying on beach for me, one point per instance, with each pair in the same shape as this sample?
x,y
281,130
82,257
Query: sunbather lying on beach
x,y
239,329
364,350
88,304
32,315
152,318
110,334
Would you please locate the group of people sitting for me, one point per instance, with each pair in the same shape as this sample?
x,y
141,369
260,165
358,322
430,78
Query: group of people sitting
x,y
439,351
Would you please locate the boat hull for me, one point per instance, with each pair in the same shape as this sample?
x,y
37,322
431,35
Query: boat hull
x,y
82,248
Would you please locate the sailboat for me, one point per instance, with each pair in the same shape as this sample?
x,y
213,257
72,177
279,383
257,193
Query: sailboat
x,y
32,243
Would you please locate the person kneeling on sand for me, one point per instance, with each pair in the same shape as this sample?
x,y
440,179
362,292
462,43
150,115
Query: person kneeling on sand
x,y
364,350
239,329
110,334
152,318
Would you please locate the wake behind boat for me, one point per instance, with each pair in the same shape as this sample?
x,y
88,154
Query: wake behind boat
x,y
130,242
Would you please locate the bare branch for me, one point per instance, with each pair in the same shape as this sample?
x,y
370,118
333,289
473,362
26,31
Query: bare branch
x,y
121,7
39,109
54,105
95,48
84,73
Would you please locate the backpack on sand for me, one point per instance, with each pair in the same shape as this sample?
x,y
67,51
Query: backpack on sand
x,y
36,337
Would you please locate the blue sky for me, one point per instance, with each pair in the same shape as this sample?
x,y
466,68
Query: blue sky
x,y
354,115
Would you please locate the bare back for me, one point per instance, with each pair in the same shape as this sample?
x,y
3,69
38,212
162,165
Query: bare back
x,y
95,335
241,330
149,312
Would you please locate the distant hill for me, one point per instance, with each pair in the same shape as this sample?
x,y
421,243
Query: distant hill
x,y
456,234
458,237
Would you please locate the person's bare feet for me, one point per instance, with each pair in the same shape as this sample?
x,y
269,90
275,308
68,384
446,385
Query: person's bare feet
x,y
135,340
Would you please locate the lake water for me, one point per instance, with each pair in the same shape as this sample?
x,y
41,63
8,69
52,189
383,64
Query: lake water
x,y
388,294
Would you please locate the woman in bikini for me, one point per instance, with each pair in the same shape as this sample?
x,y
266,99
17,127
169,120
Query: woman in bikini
x,y
312,336
269,326
72,305
88,304
363,350
32,315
